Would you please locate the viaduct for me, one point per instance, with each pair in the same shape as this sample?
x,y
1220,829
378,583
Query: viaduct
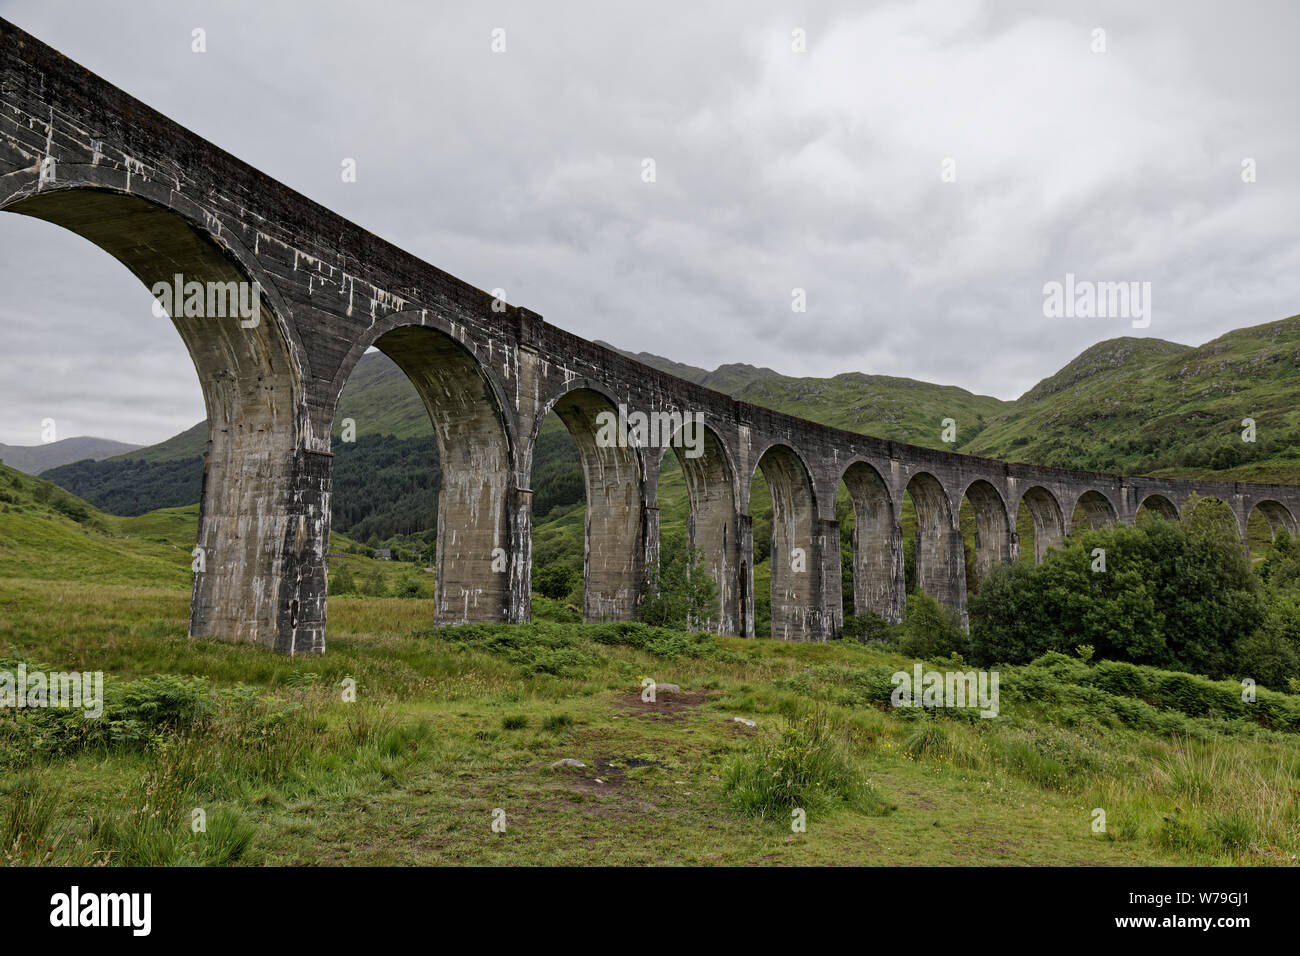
x,y
77,151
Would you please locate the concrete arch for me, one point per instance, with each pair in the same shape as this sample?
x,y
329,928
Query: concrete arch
x,y
614,556
481,556
939,555
264,508
878,583
797,459
1160,505
1049,522
993,527
1099,509
1277,514
76,186
713,524
795,559
436,321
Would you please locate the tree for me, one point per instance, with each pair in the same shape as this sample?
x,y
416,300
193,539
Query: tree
x,y
555,581
682,594
929,629
1169,594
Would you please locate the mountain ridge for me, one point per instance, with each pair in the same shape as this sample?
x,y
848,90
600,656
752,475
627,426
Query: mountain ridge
x,y
35,459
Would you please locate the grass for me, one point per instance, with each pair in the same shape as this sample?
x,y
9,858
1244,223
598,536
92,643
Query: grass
x,y
273,766
452,724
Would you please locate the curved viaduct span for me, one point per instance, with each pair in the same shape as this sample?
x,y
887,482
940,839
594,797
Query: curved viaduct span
x,y
76,151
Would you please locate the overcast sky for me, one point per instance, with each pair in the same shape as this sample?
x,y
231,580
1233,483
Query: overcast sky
x,y
774,170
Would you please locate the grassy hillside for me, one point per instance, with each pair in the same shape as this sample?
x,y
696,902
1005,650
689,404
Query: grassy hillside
x,y
1143,406
900,409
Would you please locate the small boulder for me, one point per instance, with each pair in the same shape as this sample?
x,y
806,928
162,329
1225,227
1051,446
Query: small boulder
x,y
567,762
745,720
667,689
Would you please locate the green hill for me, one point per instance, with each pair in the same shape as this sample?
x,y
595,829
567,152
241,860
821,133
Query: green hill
x,y
1145,406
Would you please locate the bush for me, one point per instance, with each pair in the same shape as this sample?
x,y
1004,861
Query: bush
x,y
867,628
807,768
555,581
1175,595
930,630
374,584
681,594
411,586
342,581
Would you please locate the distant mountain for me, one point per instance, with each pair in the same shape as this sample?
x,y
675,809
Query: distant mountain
x,y
1143,406
34,459
901,409
728,379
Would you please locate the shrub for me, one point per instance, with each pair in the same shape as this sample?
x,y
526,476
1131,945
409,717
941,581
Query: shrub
x,y
867,627
556,722
681,593
930,630
1176,595
807,768
342,581
555,581
374,584
411,586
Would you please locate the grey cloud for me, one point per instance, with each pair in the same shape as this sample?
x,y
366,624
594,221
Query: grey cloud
x,y
775,170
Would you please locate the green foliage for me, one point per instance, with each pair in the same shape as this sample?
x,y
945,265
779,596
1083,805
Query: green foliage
x,y
1271,654
132,487
868,628
1172,595
929,629
556,581
342,581
412,585
808,768
374,585
682,594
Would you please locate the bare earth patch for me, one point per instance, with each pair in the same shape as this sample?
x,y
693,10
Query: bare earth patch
x,y
665,706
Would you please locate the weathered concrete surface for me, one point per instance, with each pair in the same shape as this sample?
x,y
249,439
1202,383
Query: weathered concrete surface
x,y
78,152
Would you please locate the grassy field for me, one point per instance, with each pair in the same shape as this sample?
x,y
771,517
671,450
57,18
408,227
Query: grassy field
x,y
451,725
451,728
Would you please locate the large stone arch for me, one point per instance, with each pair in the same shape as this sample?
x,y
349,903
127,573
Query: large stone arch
x,y
264,510
993,526
878,583
614,555
1049,521
482,550
712,525
1159,504
939,555
1098,508
797,605
1277,514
